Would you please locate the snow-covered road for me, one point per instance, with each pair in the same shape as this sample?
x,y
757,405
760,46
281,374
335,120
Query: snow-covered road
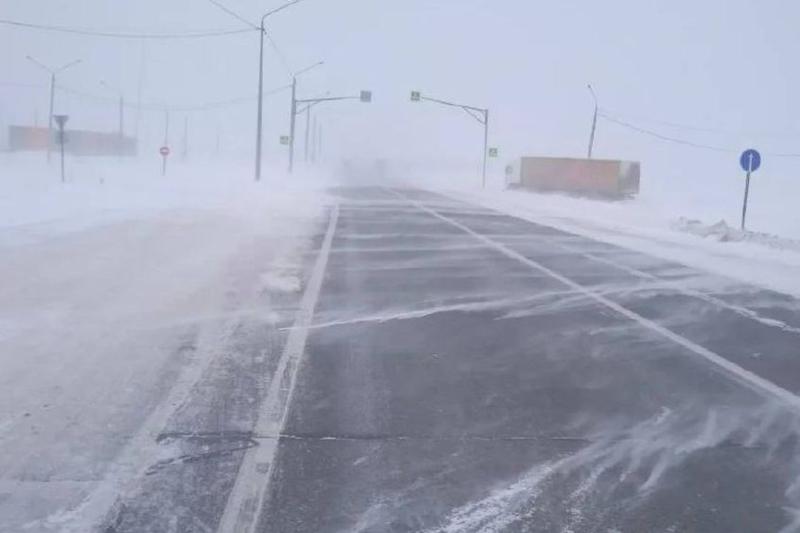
x,y
112,308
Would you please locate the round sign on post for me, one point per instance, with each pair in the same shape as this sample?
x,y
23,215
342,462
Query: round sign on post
x,y
164,151
750,160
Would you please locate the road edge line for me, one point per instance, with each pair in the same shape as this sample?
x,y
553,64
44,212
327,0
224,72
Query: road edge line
x,y
246,499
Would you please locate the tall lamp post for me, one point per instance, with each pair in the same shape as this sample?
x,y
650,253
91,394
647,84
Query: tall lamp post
x,y
259,126
53,73
478,113
294,112
594,121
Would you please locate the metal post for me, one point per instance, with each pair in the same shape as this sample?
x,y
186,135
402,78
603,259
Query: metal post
x,y
166,143
292,124
594,122
61,142
308,132
260,102
50,119
121,148
314,136
746,195
485,143
319,144
185,151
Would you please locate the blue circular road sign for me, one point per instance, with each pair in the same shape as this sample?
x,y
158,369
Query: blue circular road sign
x,y
750,160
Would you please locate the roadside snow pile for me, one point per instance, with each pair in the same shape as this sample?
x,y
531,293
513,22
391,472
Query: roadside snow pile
x,y
722,232
649,226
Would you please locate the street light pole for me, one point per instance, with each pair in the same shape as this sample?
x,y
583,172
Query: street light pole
x,y
308,132
50,118
485,144
259,126
292,122
53,73
594,121
260,100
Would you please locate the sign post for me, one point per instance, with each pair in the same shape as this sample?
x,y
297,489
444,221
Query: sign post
x,y
61,120
750,162
164,151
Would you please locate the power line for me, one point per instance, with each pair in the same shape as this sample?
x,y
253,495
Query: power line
x,y
234,14
153,106
270,40
97,33
686,142
663,137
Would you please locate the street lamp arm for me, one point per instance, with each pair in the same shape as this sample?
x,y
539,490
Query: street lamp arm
x,y
314,101
70,64
472,113
308,68
451,104
277,9
40,65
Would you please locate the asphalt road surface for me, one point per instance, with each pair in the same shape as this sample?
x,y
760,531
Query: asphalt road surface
x,y
456,369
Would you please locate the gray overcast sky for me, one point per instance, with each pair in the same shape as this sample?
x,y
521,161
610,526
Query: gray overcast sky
x,y
728,65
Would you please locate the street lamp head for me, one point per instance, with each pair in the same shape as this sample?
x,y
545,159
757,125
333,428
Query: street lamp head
x,y
591,90
366,96
416,96
308,68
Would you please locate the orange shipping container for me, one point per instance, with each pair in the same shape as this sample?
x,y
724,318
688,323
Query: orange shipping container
x,y
591,177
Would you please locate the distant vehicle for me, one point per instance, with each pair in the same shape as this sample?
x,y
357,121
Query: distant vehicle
x,y
584,177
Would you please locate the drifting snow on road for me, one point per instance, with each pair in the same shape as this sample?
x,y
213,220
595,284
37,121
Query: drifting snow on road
x,y
122,306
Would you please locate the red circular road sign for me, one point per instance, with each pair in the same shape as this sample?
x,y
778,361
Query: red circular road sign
x,y
164,151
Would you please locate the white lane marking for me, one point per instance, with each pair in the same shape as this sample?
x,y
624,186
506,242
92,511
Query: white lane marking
x,y
742,311
745,377
246,500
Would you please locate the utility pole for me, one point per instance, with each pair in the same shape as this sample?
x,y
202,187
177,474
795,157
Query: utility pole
x,y
478,113
185,151
62,121
308,133
319,145
292,124
594,121
53,73
314,136
166,144
485,144
121,124
50,121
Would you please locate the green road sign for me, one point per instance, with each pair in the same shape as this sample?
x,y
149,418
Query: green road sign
x,y
494,152
284,139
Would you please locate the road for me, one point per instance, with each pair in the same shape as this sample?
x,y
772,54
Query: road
x,y
456,369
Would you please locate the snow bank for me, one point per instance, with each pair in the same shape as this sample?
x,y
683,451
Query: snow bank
x,y
649,225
